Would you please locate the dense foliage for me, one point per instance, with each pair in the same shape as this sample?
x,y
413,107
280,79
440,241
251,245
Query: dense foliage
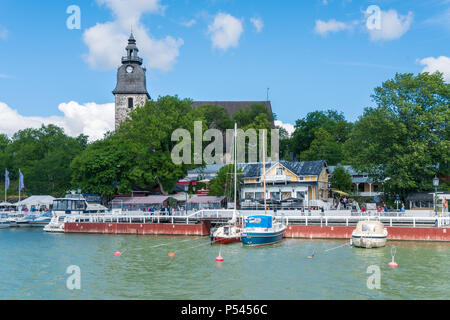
x,y
223,184
44,156
403,140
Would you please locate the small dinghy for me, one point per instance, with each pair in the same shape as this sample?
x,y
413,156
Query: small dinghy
x,y
369,234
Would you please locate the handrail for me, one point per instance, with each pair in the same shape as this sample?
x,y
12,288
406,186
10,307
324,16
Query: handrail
x,y
227,214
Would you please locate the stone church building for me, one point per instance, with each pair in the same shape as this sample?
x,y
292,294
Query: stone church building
x,y
131,89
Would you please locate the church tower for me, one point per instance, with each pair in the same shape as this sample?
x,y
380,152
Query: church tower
x,y
131,89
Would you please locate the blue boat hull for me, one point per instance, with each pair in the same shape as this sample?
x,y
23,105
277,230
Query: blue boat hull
x,y
261,239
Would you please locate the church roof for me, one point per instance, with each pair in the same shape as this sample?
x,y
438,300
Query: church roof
x,y
234,106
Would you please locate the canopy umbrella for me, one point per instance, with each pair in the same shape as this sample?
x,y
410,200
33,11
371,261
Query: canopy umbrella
x,y
293,199
340,192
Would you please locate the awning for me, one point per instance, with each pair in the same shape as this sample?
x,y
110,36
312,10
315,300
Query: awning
x,y
340,192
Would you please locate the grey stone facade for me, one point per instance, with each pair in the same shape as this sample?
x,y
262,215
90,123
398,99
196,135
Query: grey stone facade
x,y
122,108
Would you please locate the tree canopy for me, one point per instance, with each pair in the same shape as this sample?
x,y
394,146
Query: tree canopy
x,y
406,137
44,156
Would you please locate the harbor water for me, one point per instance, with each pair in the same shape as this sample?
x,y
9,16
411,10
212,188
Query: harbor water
x,y
33,265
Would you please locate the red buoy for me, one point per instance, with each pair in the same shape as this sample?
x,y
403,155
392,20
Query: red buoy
x,y
393,264
219,259
171,254
309,257
118,254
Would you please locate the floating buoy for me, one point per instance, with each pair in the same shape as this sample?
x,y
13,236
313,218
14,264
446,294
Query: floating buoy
x,y
310,257
393,264
171,254
118,254
219,259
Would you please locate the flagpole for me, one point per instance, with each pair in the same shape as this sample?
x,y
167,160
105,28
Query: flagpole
x,y
19,191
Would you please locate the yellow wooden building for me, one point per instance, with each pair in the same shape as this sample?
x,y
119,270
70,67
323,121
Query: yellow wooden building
x,y
306,181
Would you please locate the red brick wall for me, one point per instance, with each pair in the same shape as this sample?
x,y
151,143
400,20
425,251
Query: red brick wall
x,y
139,229
394,233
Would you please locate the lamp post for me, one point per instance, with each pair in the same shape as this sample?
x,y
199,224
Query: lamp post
x,y
435,185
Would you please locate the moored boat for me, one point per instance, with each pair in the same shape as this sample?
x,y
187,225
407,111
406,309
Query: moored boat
x,y
227,234
262,230
72,204
231,232
41,220
4,222
369,234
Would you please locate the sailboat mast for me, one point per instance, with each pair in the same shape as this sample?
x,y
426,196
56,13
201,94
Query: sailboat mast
x,y
235,167
264,171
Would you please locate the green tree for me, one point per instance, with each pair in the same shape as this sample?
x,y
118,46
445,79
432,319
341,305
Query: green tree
x,y
223,184
255,116
306,132
341,179
323,147
44,156
139,152
215,117
406,137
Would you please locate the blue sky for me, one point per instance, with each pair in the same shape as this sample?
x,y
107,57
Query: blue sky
x,y
313,55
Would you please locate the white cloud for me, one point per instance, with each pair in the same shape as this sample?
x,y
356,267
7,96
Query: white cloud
x,y
91,119
258,24
287,126
393,26
189,23
225,31
107,41
325,27
441,64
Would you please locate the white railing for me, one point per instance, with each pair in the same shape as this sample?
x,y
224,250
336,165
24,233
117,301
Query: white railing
x,y
388,221
140,217
277,178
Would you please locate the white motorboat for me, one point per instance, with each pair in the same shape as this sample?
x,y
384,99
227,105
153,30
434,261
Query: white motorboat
x,y
40,220
4,221
14,217
369,234
56,224
72,204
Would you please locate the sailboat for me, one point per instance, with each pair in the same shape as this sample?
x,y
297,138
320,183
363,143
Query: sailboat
x,y
262,230
231,232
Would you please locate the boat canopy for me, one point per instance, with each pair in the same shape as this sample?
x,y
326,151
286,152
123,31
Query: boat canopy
x,y
258,222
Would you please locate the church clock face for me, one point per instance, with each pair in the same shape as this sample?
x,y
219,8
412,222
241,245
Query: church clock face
x,y
129,69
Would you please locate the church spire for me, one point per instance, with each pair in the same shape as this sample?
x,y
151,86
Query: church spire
x,y
132,52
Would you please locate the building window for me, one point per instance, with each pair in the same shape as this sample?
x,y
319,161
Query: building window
x,y
275,195
249,195
259,195
130,103
300,194
279,171
361,187
286,195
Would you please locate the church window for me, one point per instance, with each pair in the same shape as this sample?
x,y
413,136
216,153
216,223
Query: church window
x,y
130,103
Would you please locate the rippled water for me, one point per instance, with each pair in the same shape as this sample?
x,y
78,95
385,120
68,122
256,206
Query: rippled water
x,y
33,266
